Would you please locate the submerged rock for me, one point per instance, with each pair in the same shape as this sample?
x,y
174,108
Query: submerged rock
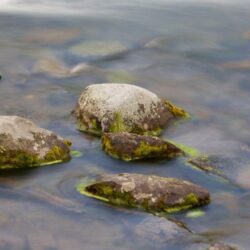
x,y
151,193
128,146
97,48
159,230
23,144
123,108
210,164
221,246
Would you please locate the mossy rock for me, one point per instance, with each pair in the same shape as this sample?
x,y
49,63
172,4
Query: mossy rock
x,y
113,107
23,144
128,147
152,193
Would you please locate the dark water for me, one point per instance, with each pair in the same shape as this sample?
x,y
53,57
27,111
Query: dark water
x,y
196,55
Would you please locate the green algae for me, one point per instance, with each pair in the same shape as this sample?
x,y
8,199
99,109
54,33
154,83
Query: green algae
x,y
189,151
120,76
196,213
75,153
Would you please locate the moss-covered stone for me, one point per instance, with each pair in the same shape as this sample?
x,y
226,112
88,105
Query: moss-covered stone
x,y
123,107
23,144
128,146
152,193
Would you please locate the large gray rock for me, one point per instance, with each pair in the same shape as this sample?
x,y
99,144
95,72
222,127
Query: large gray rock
x,y
112,107
24,144
151,193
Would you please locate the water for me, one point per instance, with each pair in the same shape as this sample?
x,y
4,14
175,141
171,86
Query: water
x,y
188,52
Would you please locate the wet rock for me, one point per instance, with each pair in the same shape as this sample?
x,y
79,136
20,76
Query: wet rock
x,y
24,144
151,193
160,230
97,49
123,108
210,164
221,246
128,146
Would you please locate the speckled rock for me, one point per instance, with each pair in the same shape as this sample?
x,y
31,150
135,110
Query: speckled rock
x,y
151,193
113,107
221,246
129,146
23,144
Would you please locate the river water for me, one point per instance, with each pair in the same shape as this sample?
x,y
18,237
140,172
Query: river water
x,y
195,54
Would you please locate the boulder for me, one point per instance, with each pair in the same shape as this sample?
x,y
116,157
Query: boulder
x,y
129,146
24,144
152,193
113,107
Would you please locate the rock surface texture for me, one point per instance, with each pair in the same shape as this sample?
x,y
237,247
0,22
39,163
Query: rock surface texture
x,y
128,146
24,144
112,107
151,193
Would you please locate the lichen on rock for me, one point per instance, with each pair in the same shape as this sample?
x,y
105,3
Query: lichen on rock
x,y
129,146
24,144
151,193
113,107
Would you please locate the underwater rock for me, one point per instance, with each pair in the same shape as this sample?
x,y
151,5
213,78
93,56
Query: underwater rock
x,y
113,107
159,230
152,193
221,246
24,144
129,146
237,65
210,164
97,49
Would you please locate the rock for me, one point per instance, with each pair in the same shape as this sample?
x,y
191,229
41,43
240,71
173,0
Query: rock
x,y
128,146
1,76
151,193
123,108
97,49
210,164
160,230
221,246
24,144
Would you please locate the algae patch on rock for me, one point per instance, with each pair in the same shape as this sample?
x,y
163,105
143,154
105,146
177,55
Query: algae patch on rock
x,y
24,144
128,147
113,107
151,193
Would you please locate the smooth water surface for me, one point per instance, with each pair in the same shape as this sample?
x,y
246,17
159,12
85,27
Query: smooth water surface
x,y
197,55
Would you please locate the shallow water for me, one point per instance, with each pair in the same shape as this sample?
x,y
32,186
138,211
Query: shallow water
x,y
190,53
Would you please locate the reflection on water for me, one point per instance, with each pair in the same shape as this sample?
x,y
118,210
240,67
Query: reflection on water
x,y
195,55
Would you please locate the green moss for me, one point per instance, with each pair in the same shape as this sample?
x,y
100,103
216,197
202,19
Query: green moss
x,y
118,124
155,132
176,111
145,150
18,160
